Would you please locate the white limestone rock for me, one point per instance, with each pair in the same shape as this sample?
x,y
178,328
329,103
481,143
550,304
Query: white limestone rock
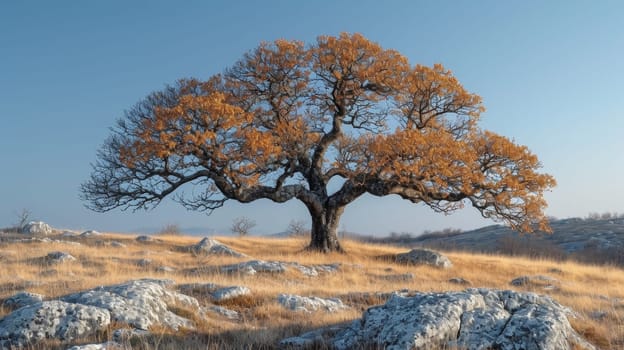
x,y
21,299
309,304
37,228
110,345
209,246
51,320
424,257
59,257
90,233
226,293
255,266
140,303
473,319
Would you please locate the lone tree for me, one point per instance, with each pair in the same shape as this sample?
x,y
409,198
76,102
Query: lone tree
x,y
288,117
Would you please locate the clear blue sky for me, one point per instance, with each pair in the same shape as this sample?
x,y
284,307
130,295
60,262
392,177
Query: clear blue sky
x,y
551,74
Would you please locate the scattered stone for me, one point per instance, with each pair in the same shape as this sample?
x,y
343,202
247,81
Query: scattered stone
x,y
460,281
110,345
90,233
165,269
22,299
424,257
315,270
402,277
229,293
472,319
51,320
139,303
309,304
59,257
209,246
537,281
254,266
37,228
198,289
221,311
117,244
144,238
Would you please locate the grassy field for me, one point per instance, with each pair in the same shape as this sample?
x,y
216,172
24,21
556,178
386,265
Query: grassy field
x,y
586,289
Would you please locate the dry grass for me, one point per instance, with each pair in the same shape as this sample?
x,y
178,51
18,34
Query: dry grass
x,y
586,289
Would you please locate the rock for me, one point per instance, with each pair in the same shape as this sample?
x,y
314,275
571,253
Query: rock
x,y
472,319
22,299
139,303
144,238
598,315
117,244
51,320
198,289
309,304
537,281
229,293
110,345
213,247
59,257
315,270
165,269
221,311
397,277
254,266
90,233
460,281
424,257
37,228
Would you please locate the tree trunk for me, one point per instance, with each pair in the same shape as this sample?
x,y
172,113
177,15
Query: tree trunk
x,y
324,233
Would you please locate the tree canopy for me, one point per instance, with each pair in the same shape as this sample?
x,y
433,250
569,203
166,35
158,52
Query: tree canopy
x,y
287,118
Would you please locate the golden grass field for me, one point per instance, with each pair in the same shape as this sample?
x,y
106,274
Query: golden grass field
x,y
586,289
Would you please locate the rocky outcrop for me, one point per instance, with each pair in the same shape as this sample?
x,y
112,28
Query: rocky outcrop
x,y
209,246
51,320
22,299
472,319
424,257
309,304
213,291
227,293
37,228
139,303
90,233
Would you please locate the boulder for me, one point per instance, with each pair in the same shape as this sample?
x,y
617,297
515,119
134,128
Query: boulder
x,y
90,233
144,238
254,266
309,304
226,293
424,257
59,257
51,320
223,312
109,345
471,319
37,228
139,303
209,246
22,299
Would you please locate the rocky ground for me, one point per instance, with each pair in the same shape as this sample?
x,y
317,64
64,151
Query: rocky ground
x,y
192,293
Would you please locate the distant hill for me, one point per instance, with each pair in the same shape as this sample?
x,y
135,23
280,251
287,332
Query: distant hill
x,y
588,240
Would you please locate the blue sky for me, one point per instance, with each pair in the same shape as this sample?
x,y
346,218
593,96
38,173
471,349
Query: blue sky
x,y
551,75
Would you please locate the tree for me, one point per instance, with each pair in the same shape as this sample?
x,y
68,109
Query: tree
x,y
296,228
242,225
288,117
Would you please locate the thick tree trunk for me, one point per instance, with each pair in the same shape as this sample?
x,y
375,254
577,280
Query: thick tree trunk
x,y
324,234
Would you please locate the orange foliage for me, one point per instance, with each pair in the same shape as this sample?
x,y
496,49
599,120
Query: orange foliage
x,y
343,106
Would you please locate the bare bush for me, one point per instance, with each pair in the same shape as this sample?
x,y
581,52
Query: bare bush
x,y
242,225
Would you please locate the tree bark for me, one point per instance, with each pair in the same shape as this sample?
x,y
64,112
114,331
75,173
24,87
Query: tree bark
x,y
324,234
